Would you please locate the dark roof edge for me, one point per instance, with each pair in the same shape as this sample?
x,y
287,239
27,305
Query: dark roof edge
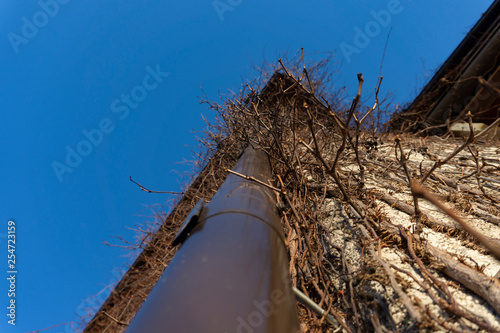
x,y
472,38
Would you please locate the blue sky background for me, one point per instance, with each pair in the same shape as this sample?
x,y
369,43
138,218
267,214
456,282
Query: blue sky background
x,y
64,78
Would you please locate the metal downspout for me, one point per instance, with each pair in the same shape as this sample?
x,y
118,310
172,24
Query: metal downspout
x,y
231,272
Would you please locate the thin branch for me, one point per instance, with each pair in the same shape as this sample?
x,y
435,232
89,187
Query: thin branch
x,y
403,159
51,327
358,129
114,319
383,55
304,70
256,180
149,191
454,153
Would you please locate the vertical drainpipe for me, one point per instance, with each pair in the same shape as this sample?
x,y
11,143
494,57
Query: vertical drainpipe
x,y
231,272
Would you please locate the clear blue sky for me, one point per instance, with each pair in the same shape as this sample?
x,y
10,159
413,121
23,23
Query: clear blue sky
x,y
127,74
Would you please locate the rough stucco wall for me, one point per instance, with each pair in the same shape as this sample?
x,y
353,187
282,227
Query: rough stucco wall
x,y
386,177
